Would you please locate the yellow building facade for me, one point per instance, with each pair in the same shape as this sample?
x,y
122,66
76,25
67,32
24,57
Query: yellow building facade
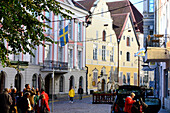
x,y
101,49
128,63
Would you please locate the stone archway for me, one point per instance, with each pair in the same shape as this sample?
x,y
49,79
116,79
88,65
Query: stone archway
x,y
61,84
81,81
71,82
48,80
18,82
2,81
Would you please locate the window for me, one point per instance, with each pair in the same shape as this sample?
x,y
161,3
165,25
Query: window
x,y
104,35
34,81
127,56
128,78
112,55
124,79
128,41
81,81
60,54
120,78
70,30
60,22
17,56
151,5
135,78
70,58
32,58
97,35
95,77
79,59
47,30
47,52
110,38
104,53
94,52
120,52
79,31
123,37
132,39
61,84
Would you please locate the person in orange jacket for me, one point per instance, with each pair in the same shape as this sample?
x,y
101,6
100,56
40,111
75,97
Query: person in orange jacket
x,y
129,102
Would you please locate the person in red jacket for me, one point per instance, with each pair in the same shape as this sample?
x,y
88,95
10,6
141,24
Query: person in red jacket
x,y
42,105
45,94
129,102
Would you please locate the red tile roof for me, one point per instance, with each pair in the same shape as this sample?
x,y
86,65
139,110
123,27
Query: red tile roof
x,y
88,4
126,6
119,22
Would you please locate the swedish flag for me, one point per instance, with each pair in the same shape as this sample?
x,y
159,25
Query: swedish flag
x,y
63,36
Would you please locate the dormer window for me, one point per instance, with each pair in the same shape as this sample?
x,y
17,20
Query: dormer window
x,y
104,35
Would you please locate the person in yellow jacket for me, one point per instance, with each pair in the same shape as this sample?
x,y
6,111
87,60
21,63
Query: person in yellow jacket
x,y
71,94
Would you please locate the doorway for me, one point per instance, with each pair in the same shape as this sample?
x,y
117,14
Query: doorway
x,y
18,82
71,82
103,84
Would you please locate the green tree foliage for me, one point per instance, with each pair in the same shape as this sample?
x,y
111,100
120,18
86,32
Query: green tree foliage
x,y
21,29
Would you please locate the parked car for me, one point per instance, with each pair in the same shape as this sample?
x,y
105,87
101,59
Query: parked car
x,y
154,104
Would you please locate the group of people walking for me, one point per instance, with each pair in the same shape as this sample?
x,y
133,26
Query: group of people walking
x,y
30,100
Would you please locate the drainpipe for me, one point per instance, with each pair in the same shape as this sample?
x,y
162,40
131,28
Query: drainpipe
x,y
118,41
86,80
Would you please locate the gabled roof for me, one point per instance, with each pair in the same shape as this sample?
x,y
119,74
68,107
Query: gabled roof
x,y
88,4
119,22
77,4
126,6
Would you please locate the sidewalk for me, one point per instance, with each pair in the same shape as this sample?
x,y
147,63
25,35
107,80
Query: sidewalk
x,y
163,111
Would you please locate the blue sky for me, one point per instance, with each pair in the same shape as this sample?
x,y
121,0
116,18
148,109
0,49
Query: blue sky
x,y
139,6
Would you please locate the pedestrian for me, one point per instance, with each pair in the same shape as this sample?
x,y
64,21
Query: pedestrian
x,y
129,102
5,101
13,108
71,94
80,92
32,93
45,94
25,103
42,105
36,98
19,102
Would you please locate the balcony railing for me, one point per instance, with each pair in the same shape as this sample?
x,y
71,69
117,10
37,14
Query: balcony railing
x,y
57,65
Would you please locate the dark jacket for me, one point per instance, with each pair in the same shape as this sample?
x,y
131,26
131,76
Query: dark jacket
x,y
5,101
80,91
23,103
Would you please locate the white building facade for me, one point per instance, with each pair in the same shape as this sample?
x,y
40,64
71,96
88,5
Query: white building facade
x,y
68,61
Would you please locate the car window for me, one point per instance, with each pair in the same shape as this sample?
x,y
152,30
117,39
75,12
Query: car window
x,y
128,91
152,101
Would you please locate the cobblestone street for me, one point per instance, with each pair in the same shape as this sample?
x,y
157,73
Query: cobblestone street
x,y
83,106
80,106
